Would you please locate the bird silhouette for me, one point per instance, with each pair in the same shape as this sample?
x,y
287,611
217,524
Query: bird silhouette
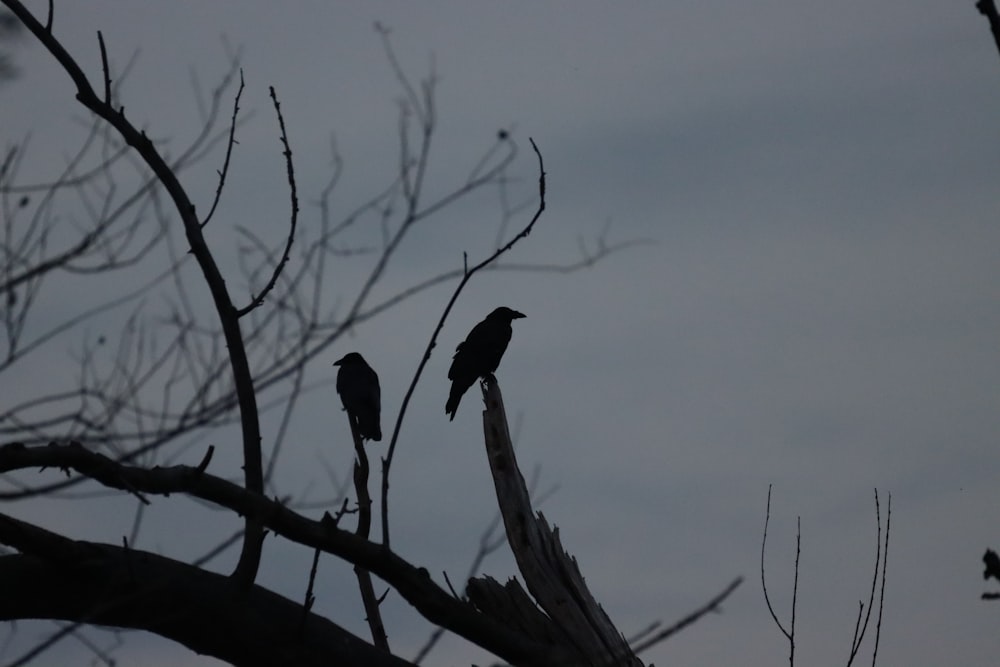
x,y
479,355
361,395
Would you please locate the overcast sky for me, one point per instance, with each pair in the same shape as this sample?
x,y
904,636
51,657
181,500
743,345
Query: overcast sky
x,y
817,309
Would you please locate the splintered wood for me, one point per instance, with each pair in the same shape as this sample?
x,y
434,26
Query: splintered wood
x,y
566,615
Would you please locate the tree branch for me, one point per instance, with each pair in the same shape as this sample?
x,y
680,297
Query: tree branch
x,y
710,606
368,598
293,220
58,578
249,561
229,152
413,584
789,634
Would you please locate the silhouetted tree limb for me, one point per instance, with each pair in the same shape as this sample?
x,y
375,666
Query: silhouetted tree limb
x,y
647,639
249,561
363,530
413,583
57,578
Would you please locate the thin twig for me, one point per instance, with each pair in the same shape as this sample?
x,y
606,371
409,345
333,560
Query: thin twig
x,y
763,580
104,67
371,605
710,606
885,564
310,599
795,589
860,634
293,221
42,646
229,151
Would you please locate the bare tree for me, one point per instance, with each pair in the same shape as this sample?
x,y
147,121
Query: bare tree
x,y
210,363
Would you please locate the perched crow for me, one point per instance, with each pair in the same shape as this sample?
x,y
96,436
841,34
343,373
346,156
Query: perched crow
x,y
358,387
480,354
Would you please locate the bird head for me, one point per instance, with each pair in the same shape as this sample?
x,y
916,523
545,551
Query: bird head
x,y
348,359
505,313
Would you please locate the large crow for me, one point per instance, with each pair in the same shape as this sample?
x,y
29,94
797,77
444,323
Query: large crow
x,y
358,387
480,354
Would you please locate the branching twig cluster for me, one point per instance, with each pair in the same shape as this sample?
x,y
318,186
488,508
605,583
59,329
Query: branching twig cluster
x,y
864,612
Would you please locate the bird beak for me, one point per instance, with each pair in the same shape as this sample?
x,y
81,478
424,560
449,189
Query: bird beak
x,y
518,315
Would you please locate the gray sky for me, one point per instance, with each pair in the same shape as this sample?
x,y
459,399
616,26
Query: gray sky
x,y
815,313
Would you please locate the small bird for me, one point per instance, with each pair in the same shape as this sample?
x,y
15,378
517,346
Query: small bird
x,y
480,354
361,395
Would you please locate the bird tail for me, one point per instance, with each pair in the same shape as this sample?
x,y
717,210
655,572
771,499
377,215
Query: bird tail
x,y
451,407
367,426
370,428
